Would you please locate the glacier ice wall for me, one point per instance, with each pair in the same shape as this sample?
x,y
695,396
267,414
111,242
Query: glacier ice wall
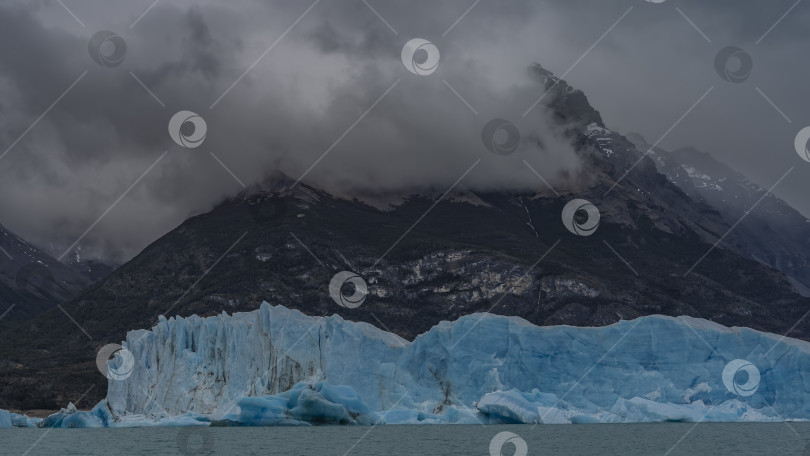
x,y
649,369
206,365
5,419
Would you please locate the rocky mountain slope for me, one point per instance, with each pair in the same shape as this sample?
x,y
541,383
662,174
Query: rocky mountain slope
x,y
773,233
31,281
93,269
508,253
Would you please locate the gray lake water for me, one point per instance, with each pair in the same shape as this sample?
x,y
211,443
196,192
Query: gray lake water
x,y
671,439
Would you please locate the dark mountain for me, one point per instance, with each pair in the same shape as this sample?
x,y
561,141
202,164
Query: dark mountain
x,y
93,269
772,233
508,253
31,281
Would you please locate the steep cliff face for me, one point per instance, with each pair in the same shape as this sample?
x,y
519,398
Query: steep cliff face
x,y
496,368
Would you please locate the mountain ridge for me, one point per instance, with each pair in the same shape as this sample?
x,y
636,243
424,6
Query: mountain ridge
x,y
774,233
31,280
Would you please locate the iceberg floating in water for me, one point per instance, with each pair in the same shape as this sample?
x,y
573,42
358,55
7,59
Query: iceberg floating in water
x,y
70,417
18,420
11,419
320,403
101,417
279,366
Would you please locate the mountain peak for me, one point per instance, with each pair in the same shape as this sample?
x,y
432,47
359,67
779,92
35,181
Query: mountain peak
x,y
274,182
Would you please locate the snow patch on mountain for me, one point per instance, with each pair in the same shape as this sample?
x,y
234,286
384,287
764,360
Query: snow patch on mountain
x,y
703,180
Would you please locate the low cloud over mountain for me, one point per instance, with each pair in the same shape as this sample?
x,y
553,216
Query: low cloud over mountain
x,y
281,86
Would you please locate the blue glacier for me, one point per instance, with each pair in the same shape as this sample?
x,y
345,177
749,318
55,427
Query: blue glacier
x,y
18,420
11,419
5,419
319,403
276,366
70,417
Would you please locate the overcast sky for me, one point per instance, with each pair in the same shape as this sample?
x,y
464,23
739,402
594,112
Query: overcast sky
x,y
279,84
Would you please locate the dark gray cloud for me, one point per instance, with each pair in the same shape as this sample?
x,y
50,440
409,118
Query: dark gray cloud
x,y
330,68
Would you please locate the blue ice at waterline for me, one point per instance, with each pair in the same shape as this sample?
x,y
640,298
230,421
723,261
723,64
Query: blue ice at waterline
x,y
276,366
